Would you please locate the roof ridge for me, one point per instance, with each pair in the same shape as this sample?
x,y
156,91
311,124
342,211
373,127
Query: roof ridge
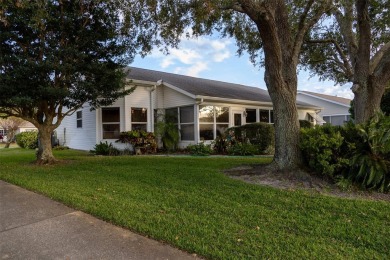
x,y
197,78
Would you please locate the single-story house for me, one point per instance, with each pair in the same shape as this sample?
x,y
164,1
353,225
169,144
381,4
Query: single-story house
x,y
335,110
202,108
24,127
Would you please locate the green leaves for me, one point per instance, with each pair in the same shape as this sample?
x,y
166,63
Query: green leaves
x,y
372,164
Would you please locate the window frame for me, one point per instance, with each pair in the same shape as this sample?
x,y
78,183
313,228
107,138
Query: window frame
x,y
143,123
79,119
118,123
214,123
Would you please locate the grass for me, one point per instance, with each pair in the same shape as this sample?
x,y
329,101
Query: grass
x,y
188,203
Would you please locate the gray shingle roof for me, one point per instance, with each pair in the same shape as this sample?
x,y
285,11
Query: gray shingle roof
x,y
341,100
204,87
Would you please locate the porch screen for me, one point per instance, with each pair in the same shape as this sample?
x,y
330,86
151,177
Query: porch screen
x,y
187,132
111,122
213,121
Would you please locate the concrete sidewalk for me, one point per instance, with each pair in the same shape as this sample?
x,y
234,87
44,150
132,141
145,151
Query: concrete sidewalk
x,y
35,227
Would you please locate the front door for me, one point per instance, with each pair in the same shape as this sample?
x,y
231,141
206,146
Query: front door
x,y
237,119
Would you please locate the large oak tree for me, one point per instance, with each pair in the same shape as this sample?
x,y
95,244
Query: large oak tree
x,y
276,27
354,46
56,55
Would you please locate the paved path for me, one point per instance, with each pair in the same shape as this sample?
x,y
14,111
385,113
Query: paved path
x,y
35,227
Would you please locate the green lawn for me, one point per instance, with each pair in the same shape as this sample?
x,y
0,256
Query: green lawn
x,y
188,203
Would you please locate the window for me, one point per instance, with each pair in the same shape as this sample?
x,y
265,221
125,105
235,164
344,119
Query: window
x,y
327,119
213,121
183,118
139,118
111,122
187,132
266,116
79,119
337,120
250,115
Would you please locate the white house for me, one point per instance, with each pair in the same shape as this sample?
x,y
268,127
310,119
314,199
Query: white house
x,y
203,109
335,110
24,127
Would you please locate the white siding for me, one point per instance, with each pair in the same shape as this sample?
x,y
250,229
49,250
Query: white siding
x,y
329,108
140,98
83,138
172,98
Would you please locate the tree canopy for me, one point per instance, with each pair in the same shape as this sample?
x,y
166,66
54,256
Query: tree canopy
x,y
58,55
353,46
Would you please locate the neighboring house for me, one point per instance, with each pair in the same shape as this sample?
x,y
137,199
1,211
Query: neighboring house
x,y
335,110
24,127
202,109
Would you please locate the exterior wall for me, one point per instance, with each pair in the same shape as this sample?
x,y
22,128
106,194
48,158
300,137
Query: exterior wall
x,y
329,108
172,98
83,138
150,98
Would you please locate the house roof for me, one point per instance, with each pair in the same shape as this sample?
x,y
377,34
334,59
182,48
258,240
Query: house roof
x,y
27,124
333,99
204,87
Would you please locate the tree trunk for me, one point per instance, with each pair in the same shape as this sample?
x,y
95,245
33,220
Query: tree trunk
x,y
281,79
10,137
45,152
287,151
367,100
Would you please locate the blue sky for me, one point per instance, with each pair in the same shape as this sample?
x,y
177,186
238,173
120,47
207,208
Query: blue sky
x,y
215,58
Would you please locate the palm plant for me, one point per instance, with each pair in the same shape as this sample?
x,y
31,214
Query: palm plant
x,y
371,160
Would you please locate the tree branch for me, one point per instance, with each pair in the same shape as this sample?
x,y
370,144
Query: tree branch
x,y
345,24
305,24
235,6
347,66
378,57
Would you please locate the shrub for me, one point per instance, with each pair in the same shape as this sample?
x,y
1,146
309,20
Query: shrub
x,y
322,150
305,124
242,149
105,149
262,135
220,144
27,140
370,164
60,148
166,129
139,138
200,149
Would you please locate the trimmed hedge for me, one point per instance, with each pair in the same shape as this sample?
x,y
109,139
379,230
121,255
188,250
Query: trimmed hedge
x,y
27,140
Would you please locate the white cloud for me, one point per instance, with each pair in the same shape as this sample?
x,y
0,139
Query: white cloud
x,y
193,70
194,55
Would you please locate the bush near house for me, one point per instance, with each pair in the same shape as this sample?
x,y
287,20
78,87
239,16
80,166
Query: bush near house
x,y
259,135
200,149
305,124
322,150
105,149
27,140
357,153
139,139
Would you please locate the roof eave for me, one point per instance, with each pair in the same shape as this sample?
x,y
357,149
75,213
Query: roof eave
x,y
325,99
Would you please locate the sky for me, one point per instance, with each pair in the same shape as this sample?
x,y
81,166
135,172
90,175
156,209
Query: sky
x,y
214,58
